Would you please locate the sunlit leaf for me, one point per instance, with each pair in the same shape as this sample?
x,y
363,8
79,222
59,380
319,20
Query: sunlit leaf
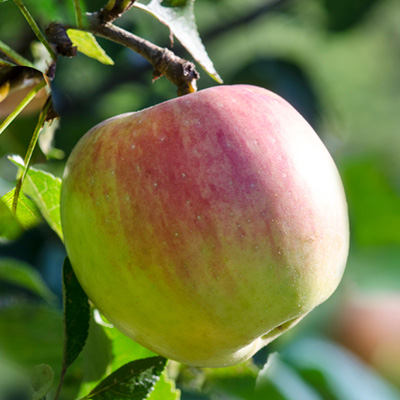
x,y
165,389
87,44
125,349
44,189
28,214
178,16
23,275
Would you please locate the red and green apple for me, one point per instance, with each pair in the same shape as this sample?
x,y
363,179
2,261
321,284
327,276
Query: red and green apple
x,y
206,226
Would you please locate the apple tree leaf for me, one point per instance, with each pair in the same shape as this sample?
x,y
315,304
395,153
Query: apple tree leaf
x,y
28,214
106,350
125,349
11,58
23,275
44,189
134,380
42,379
178,16
10,228
76,315
88,45
165,389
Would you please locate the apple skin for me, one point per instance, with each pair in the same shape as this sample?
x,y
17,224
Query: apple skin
x,y
206,226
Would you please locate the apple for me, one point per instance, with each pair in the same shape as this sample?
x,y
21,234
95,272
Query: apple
x,y
206,226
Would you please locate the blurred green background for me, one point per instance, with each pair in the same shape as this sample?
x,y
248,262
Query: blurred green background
x,y
338,63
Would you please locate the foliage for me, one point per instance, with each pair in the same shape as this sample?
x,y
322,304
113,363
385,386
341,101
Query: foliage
x,y
334,60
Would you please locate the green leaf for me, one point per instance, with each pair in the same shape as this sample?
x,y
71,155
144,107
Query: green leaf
x,y
106,350
44,189
279,381
15,58
87,44
23,275
125,349
76,315
134,380
28,214
181,22
42,379
165,389
10,228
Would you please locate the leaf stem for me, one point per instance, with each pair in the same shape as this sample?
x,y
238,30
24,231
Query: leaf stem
x,y
14,56
29,152
26,100
78,14
35,27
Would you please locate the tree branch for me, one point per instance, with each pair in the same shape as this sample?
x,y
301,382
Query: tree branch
x,y
114,9
179,71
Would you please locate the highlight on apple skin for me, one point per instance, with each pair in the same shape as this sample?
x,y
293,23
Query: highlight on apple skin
x,y
206,226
